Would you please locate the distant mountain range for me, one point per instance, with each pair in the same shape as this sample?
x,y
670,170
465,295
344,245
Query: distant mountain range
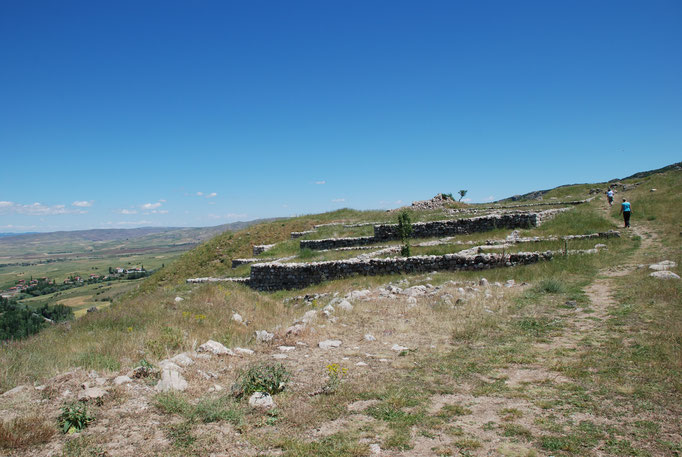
x,y
87,241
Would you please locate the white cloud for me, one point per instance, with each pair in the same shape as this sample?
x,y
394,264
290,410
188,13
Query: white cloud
x,y
37,209
150,205
398,202
162,200
158,211
127,211
229,216
320,182
212,194
465,200
199,194
339,200
490,198
83,203
125,223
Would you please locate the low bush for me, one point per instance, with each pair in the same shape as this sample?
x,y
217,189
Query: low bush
x,y
262,377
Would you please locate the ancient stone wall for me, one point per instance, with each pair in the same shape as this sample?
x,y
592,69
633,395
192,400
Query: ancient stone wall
x,y
334,243
277,276
385,232
260,248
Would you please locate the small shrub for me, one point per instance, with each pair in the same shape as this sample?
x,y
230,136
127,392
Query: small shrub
x,y
24,431
74,417
262,377
551,286
334,376
172,403
307,253
171,338
216,410
405,231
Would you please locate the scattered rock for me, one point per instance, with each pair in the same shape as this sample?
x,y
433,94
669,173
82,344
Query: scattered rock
x,y
369,337
243,351
328,310
263,336
237,318
361,364
415,291
120,380
178,299
663,265
510,283
309,316
375,449
295,330
483,282
171,380
345,305
92,393
398,348
279,356
411,302
261,400
168,365
15,391
183,359
571,303
215,348
329,344
359,294
286,348
664,275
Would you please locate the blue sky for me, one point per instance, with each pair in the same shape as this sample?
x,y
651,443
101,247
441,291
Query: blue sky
x,y
125,114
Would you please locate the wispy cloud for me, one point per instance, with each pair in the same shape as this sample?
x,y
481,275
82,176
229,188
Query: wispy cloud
x,y
228,216
212,194
127,211
126,223
150,205
466,200
489,199
199,194
319,183
37,209
83,203
158,211
338,200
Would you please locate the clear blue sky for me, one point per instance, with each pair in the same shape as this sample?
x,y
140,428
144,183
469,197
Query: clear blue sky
x,y
132,113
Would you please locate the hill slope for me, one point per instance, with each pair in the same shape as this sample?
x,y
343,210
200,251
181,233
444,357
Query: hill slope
x,y
580,356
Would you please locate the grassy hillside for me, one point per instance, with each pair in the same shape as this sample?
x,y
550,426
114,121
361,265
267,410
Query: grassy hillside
x,y
583,360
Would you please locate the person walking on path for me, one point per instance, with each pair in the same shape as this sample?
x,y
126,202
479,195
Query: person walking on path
x,y
609,196
625,210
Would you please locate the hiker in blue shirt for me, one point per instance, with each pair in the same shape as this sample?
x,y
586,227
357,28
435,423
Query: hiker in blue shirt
x,y
625,211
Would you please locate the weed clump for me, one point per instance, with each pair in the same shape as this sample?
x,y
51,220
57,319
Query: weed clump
x,y
262,377
74,417
551,286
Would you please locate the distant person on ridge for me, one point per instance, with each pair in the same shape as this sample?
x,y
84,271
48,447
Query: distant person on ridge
x,y
609,196
625,211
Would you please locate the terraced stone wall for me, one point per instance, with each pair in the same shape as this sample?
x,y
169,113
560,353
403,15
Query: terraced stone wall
x,y
277,276
385,232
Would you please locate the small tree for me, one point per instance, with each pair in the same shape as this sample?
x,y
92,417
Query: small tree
x,y
405,230
462,193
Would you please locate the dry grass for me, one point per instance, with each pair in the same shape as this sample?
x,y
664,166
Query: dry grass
x,y
25,431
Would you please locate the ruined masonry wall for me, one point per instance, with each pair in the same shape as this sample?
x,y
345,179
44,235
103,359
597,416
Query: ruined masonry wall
x,y
275,276
458,226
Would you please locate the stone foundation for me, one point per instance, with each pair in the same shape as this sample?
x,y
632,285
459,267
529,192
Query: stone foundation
x,y
277,276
